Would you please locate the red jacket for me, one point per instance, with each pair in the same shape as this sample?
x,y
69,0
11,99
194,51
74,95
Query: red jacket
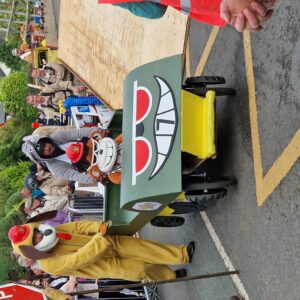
x,y
206,11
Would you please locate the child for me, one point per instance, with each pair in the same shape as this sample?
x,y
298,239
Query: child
x,y
214,12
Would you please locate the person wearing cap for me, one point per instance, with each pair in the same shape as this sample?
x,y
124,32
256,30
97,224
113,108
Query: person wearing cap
x,y
108,168
35,206
48,184
28,193
52,151
82,249
242,14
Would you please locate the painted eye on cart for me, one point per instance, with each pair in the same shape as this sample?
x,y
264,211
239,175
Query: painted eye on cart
x,y
143,103
141,147
143,154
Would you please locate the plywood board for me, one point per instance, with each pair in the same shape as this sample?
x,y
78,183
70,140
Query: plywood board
x,y
50,24
101,44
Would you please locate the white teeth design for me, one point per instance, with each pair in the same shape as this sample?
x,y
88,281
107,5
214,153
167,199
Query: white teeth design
x,y
163,144
160,160
165,125
105,154
109,151
166,103
164,88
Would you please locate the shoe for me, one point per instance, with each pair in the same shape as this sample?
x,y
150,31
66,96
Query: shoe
x,y
180,273
237,298
191,250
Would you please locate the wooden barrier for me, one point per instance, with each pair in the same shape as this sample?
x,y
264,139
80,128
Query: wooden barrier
x,y
101,44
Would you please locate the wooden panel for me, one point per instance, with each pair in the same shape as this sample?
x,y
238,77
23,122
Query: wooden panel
x,y
102,43
50,24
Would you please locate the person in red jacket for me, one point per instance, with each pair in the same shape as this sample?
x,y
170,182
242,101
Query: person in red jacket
x,y
242,14
246,14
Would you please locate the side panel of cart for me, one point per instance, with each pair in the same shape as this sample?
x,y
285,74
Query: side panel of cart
x,y
151,157
162,119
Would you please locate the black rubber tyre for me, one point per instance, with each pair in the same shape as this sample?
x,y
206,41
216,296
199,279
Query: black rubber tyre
x,y
204,80
186,207
206,199
195,182
205,195
167,221
201,91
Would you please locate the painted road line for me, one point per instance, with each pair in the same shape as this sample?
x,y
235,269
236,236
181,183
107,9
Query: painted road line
x,y
206,52
235,278
265,185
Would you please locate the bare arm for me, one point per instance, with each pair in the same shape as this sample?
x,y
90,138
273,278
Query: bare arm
x,y
246,14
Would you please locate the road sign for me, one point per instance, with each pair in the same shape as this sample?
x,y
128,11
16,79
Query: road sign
x,y
13,291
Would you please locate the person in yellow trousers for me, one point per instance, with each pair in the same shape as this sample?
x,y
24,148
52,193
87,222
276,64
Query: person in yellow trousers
x,y
82,249
53,294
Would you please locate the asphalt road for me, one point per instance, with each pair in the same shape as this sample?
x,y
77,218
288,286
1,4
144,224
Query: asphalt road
x,y
262,242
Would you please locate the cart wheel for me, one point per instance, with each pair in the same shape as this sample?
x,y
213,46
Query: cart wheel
x,y
202,196
167,221
204,80
202,182
206,199
186,207
201,91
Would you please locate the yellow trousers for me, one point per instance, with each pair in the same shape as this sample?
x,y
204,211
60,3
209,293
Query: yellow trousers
x,y
138,259
89,255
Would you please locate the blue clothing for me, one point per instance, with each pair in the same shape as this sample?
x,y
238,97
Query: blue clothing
x,y
80,101
37,19
149,10
36,193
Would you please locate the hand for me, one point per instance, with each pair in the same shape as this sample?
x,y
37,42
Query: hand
x,y
68,190
251,19
46,284
246,14
79,89
103,227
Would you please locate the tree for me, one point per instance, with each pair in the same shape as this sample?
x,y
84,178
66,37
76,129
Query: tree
x,y
11,135
9,268
13,62
3,198
13,93
13,203
12,178
6,56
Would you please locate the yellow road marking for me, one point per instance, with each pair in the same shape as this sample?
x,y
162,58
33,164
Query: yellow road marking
x,y
207,50
265,185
